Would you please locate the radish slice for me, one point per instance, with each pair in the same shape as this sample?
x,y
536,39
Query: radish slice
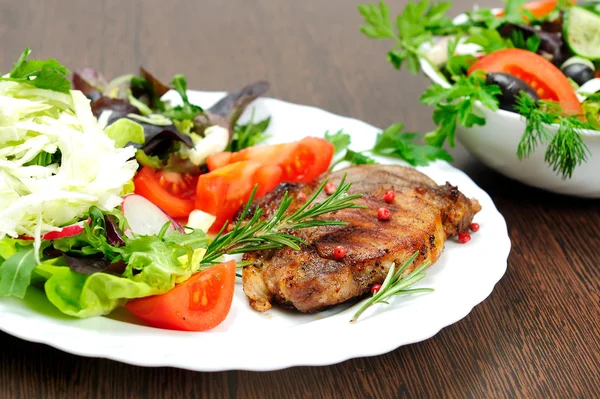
x,y
67,231
144,217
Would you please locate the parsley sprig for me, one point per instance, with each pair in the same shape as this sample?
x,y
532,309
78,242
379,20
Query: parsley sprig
x,y
258,234
566,149
455,104
43,74
396,283
417,24
391,142
421,21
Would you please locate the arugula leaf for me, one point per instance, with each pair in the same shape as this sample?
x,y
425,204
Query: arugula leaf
x,y
15,272
392,142
566,149
250,134
339,139
187,110
455,105
43,74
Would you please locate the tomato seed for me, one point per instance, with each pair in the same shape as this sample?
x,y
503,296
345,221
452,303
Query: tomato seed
x,y
389,196
464,237
339,252
474,227
383,214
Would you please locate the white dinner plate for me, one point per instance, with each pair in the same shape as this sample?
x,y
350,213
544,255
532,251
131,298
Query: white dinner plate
x,y
247,340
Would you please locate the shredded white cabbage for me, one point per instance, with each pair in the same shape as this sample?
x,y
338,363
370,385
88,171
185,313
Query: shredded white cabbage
x,y
90,171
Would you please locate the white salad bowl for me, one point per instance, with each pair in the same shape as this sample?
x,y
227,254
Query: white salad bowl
x,y
495,144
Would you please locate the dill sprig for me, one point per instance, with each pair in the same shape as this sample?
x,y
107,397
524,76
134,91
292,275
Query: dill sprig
x,y
566,149
258,234
396,283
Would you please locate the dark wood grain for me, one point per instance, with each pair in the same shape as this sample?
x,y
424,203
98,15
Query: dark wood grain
x,y
537,335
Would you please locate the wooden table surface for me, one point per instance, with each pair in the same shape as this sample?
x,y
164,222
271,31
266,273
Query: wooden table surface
x,y
537,335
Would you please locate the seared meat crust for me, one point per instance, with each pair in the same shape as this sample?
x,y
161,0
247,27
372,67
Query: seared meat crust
x,y
423,216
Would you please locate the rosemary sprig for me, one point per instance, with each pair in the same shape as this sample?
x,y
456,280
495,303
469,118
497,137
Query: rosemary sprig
x,y
396,284
258,235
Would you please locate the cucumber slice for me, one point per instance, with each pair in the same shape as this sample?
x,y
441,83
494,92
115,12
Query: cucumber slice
x,y
582,31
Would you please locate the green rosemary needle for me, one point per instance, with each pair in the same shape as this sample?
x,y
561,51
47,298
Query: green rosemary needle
x,y
396,284
258,234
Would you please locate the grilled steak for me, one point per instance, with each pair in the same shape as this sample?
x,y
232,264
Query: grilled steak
x,y
423,216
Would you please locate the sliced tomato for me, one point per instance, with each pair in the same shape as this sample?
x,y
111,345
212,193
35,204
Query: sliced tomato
x,y
546,79
223,191
539,8
198,304
180,185
218,160
301,161
148,185
267,177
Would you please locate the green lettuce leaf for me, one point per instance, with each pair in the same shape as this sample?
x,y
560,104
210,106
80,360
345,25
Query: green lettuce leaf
x,y
125,131
82,295
154,266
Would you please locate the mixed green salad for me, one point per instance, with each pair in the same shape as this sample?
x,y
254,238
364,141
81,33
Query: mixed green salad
x,y
67,163
62,179
539,59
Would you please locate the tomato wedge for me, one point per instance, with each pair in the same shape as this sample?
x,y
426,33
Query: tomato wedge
x,y
198,304
148,184
540,8
224,190
546,79
301,161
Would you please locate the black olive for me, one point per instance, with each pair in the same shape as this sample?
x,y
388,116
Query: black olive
x,y
552,46
578,69
510,86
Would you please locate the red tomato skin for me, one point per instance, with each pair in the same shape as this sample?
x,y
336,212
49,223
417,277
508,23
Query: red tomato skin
x,y
301,161
198,304
546,79
320,153
223,191
267,177
147,185
218,160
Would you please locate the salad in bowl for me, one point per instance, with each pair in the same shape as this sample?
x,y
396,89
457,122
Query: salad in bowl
x,y
519,87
